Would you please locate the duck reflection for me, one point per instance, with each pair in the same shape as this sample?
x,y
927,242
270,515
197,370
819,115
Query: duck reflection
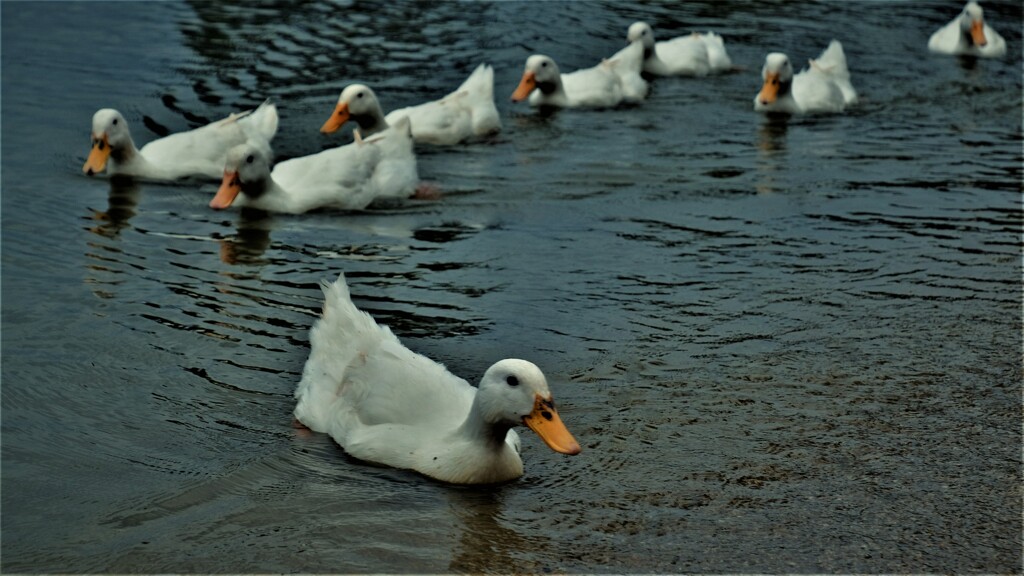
x,y
251,239
968,63
772,134
771,146
121,204
486,545
107,259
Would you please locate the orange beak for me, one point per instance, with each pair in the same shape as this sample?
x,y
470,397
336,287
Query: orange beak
x,y
545,422
978,33
230,186
770,90
338,117
526,85
97,160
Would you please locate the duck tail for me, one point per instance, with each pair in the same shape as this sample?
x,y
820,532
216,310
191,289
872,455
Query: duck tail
x,y
481,82
833,61
334,344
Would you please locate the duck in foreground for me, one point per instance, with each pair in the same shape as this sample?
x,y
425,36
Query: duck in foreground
x,y
693,55
199,152
823,87
348,177
467,112
384,403
968,35
613,81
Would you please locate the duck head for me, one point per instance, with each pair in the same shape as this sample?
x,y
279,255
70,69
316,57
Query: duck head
x,y
515,392
777,76
972,24
642,31
541,73
110,138
359,103
246,170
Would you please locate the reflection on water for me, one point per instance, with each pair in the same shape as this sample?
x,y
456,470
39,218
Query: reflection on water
x,y
251,239
771,147
106,258
772,133
796,334
485,544
121,205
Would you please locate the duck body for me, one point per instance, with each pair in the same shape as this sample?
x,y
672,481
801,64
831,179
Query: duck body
x,y
628,64
349,177
466,113
384,403
612,82
198,152
693,55
968,35
823,87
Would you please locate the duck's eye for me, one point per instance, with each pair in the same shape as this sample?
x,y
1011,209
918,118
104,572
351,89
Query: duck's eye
x,y
359,95
543,64
512,381
114,122
250,159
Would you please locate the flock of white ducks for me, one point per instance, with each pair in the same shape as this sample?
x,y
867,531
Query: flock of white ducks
x,y
379,400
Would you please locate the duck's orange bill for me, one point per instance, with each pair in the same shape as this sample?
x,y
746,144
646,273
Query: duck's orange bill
x,y
337,119
230,186
978,33
97,160
526,85
545,422
770,90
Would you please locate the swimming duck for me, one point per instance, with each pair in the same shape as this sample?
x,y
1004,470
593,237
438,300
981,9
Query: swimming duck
x,y
613,81
968,35
199,152
467,112
823,87
386,404
348,177
692,55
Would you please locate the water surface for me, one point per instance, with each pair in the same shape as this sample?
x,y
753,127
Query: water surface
x,y
785,344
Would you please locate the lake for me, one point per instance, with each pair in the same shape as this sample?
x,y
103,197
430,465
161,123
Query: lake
x,y
785,344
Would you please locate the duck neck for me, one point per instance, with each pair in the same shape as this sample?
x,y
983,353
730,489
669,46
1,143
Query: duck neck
x,y
371,122
126,159
552,93
478,425
265,194
551,88
785,88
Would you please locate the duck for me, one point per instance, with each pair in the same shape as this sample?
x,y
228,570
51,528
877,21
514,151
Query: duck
x,y
348,177
466,113
968,35
613,81
822,87
199,152
692,55
385,404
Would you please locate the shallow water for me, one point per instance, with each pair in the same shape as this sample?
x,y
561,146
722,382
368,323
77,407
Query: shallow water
x,y
786,345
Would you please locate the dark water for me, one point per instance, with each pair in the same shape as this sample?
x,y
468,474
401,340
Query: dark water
x,y
785,345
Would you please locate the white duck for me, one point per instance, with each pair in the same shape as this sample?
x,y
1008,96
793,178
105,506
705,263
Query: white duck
x,y
693,55
823,87
384,403
613,81
348,177
467,112
968,35
199,152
